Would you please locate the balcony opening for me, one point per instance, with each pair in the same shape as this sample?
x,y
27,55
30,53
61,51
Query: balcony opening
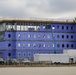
x,y
9,54
9,45
9,35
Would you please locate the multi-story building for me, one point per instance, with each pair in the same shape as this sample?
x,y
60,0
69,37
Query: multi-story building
x,y
24,38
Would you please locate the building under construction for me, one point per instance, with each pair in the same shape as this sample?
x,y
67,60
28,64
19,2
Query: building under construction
x,y
24,38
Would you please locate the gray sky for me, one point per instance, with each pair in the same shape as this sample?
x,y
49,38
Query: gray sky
x,y
38,8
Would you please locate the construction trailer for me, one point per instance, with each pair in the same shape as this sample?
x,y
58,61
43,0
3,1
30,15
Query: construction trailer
x,y
68,56
71,53
52,58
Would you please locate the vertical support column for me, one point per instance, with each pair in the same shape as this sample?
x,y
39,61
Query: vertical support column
x,y
15,26
3,26
23,26
20,26
53,40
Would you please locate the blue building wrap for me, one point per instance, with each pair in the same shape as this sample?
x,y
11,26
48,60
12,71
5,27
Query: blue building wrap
x,y
23,39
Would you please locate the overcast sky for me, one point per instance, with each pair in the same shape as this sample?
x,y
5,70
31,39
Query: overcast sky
x,y
38,8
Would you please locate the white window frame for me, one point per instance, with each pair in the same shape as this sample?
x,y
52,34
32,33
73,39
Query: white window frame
x,y
43,27
18,44
18,27
48,45
34,45
29,35
44,45
22,28
48,36
39,45
34,36
24,54
29,45
19,35
53,45
19,54
24,36
38,35
53,27
24,45
44,36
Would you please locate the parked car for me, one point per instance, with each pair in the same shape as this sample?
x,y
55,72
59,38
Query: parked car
x,y
11,61
25,61
1,61
14,61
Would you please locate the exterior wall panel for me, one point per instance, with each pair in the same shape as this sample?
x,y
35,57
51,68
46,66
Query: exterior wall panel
x,y
45,40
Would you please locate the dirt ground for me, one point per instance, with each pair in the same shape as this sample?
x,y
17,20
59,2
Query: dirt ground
x,y
38,71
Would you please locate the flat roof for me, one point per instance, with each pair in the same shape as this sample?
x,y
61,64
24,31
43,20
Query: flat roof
x,y
39,21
